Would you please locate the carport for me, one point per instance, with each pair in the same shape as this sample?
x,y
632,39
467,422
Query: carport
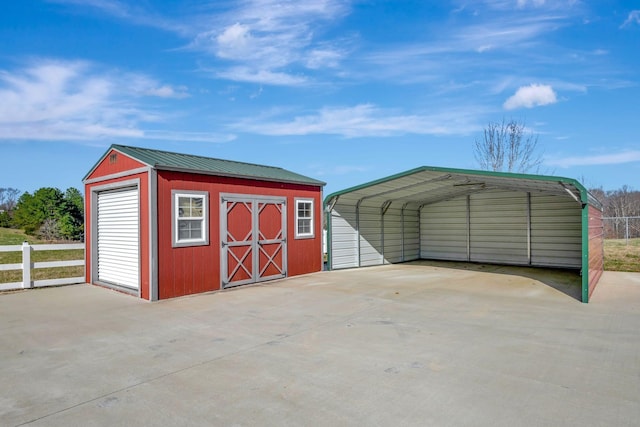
x,y
468,215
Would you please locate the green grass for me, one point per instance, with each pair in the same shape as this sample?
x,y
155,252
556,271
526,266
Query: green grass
x,y
12,237
9,236
620,256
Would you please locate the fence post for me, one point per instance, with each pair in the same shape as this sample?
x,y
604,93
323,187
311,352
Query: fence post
x,y
26,265
626,231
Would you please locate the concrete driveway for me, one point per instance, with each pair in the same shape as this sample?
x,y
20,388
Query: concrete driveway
x,y
419,344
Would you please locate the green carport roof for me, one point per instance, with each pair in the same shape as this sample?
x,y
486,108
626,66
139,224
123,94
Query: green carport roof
x,y
428,184
166,160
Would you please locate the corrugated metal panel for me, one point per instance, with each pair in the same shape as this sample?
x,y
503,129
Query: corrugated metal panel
x,y
370,223
498,230
443,230
393,235
344,237
555,231
411,234
118,238
199,164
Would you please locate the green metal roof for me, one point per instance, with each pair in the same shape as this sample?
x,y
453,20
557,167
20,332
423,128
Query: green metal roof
x,y
428,184
166,160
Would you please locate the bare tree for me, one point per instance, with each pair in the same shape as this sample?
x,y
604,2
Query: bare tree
x,y
507,148
622,202
49,230
8,198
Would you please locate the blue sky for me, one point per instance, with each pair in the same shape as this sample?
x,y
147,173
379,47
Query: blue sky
x,y
342,91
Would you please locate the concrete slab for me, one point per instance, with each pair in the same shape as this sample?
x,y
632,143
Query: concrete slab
x,y
415,344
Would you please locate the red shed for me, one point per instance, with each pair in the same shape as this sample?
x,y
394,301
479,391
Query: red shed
x,y
160,224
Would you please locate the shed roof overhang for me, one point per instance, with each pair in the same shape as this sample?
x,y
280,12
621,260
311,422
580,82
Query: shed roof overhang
x,y
427,184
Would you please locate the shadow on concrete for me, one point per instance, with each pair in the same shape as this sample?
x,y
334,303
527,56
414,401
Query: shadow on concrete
x,y
567,281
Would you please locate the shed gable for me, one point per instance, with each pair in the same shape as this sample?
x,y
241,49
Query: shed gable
x,y
113,163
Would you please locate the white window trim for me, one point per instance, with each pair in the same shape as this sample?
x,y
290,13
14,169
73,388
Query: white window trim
x,y
176,243
310,235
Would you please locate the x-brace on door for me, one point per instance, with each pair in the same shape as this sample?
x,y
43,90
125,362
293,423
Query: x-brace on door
x,y
253,231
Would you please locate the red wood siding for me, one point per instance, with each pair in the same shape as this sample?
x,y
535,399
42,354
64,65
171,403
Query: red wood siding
x,y
189,270
108,166
596,247
145,278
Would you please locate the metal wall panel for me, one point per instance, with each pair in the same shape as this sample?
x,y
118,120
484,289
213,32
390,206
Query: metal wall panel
x,y
443,230
411,234
556,237
498,227
370,223
399,235
393,234
344,237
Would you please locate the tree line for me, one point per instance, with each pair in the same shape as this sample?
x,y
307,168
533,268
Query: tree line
x,y
623,202
48,213
619,205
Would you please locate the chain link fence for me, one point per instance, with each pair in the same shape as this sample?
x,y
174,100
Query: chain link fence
x,y
622,227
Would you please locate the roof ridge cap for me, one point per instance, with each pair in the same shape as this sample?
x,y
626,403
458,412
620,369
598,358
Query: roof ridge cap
x,y
194,155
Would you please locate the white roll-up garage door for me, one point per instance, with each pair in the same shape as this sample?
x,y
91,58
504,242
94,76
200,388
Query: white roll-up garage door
x,y
118,237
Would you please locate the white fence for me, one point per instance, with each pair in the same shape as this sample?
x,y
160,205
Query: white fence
x,y
26,265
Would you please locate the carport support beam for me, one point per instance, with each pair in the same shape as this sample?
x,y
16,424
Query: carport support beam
x,y
402,256
358,231
468,228
585,247
529,228
420,231
383,210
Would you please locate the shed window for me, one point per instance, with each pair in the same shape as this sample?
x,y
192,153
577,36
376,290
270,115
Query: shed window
x,y
190,213
304,218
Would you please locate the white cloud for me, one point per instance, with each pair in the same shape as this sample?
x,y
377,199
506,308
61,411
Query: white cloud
x,y
166,91
364,120
268,77
629,156
131,12
323,58
536,3
531,96
187,136
234,42
71,100
633,18
496,34
143,85
504,37
262,37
